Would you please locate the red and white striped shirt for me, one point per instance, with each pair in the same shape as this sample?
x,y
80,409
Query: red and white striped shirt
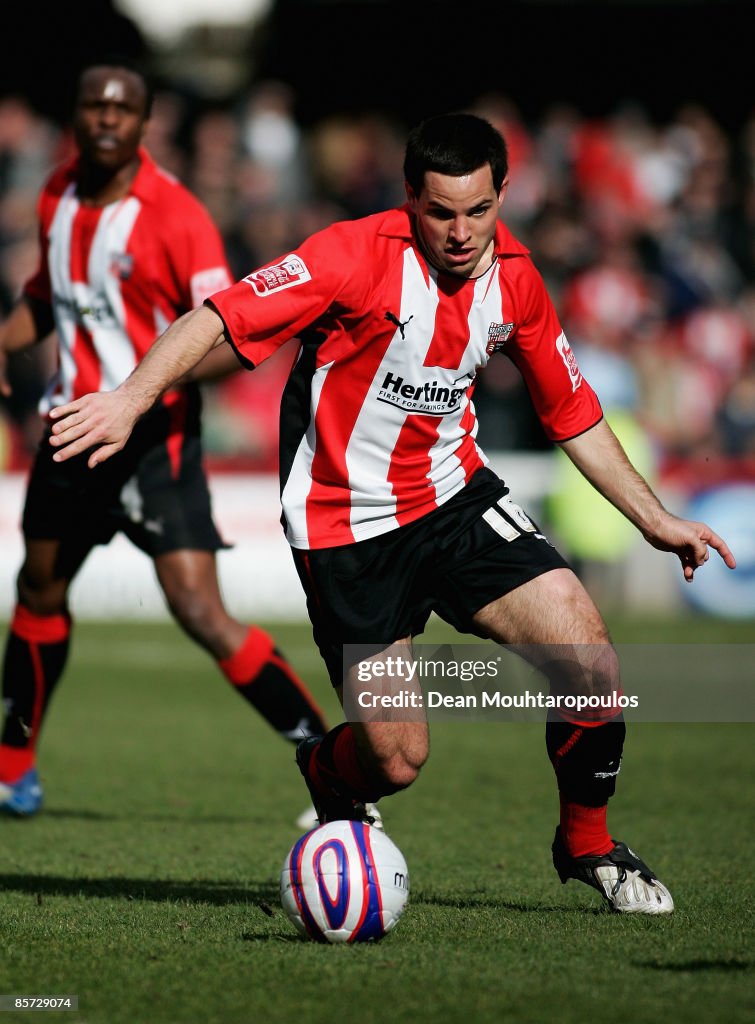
x,y
378,426
116,276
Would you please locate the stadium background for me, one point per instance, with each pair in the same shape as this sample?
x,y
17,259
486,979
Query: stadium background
x,y
149,885
633,181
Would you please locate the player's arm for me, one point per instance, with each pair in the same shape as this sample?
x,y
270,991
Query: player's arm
x,y
598,455
104,421
219,363
28,322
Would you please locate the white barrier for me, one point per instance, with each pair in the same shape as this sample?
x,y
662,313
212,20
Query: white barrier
x,y
257,575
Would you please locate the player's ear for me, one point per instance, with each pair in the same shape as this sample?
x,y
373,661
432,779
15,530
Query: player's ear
x,y
411,195
502,191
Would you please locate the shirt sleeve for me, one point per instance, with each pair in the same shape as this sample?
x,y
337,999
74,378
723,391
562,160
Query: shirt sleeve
x,y
198,260
270,305
38,286
565,403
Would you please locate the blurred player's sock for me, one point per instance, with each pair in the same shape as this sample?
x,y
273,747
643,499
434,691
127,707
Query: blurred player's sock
x,y
35,656
586,758
264,678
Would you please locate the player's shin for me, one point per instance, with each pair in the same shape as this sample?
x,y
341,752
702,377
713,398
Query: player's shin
x,y
586,758
35,657
263,677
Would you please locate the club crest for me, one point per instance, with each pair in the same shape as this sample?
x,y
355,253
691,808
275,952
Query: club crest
x,y
498,335
121,265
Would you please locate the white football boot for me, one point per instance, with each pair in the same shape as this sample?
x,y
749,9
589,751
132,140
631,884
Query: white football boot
x,y
621,878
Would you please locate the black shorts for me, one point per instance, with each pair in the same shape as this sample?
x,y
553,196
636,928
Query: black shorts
x,y
475,548
154,491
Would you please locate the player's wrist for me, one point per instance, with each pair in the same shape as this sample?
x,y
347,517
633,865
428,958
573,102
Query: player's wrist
x,y
136,400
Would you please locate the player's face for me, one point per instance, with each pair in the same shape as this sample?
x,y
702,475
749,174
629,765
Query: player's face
x,y
456,220
110,116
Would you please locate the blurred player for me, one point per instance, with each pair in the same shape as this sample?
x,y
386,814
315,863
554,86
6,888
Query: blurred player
x,y
388,503
125,250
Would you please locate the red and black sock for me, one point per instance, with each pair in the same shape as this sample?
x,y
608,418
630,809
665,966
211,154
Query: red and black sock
x,y
264,678
35,657
586,758
335,768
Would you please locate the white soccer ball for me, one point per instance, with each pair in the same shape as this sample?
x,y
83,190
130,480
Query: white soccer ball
x,y
344,882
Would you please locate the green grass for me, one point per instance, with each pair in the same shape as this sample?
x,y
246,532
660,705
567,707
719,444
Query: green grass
x,y
149,885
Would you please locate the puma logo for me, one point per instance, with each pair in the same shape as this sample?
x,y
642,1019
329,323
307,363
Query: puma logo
x,y
392,318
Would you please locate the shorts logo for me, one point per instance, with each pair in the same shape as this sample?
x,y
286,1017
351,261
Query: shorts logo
x,y
570,361
289,272
498,335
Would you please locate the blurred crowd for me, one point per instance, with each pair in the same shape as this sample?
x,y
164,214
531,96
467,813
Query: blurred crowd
x,y
644,233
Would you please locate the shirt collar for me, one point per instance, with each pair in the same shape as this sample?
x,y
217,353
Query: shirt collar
x,y
145,180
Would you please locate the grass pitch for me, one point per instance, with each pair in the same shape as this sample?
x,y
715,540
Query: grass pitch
x,y
149,885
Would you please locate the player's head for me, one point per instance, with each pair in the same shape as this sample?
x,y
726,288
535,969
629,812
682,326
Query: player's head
x,y
456,171
454,144
111,110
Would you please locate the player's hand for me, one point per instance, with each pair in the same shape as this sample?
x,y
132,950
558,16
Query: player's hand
x,y
691,542
101,421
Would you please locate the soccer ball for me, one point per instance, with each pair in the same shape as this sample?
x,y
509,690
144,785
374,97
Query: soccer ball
x,y
344,882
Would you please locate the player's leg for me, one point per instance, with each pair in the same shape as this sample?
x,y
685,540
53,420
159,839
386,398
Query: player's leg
x,y
35,657
246,655
502,579
537,618
375,754
356,595
585,747
175,496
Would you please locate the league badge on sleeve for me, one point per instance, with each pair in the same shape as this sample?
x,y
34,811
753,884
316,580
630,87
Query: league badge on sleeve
x,y
570,360
289,272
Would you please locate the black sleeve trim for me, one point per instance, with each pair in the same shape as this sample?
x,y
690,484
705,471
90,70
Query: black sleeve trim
x,y
242,359
563,440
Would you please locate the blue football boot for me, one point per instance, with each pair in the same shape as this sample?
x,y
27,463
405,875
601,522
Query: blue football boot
x,y
23,798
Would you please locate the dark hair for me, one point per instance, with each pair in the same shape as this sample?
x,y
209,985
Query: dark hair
x,y
454,144
127,63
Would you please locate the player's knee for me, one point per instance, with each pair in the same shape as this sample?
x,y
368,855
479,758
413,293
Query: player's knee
x,y
39,594
583,671
401,768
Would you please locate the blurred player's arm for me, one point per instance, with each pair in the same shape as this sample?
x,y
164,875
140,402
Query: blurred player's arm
x,y
28,322
104,421
598,455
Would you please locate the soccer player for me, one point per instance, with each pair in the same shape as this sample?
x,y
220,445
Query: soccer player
x,y
388,503
125,250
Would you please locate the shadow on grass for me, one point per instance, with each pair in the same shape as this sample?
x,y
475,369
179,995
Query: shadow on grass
x,y
483,901
264,895
65,814
297,940
694,966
